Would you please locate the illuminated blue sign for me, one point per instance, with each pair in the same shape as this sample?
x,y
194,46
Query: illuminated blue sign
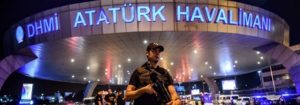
x,y
130,13
43,26
215,15
27,91
19,34
26,94
142,12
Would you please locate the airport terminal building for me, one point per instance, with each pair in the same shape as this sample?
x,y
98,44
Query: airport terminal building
x,y
102,42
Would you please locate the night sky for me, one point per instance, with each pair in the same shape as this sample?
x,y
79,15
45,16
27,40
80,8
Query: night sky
x,y
13,11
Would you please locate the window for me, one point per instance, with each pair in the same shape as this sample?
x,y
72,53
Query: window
x,y
275,77
274,68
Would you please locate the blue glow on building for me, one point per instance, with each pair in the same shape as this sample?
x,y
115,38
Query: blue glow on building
x,y
114,13
129,13
33,67
79,20
183,13
221,16
144,13
102,17
243,18
231,20
210,13
158,13
19,34
247,19
256,23
197,14
125,19
90,13
43,26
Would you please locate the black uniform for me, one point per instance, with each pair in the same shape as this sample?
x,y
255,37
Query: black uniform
x,y
142,77
110,98
120,100
98,98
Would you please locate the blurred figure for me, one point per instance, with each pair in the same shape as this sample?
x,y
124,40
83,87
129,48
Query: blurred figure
x,y
251,101
58,97
104,93
99,98
110,98
79,96
120,97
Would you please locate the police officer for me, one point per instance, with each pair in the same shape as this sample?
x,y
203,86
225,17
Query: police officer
x,y
141,85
